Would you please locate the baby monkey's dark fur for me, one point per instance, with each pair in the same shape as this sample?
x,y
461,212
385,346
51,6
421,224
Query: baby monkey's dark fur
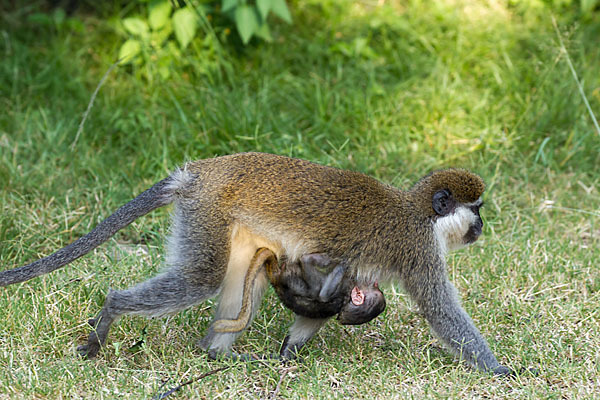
x,y
318,287
315,287
226,208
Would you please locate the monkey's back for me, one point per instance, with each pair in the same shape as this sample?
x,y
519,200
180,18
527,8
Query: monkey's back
x,y
341,212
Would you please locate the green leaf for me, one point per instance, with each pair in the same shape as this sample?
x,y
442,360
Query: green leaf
x,y
164,65
40,19
158,37
185,24
158,13
587,6
129,50
246,21
136,26
280,9
264,6
228,5
59,16
264,32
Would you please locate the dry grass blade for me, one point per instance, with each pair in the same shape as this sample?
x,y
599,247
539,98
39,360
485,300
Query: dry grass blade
x,y
91,103
575,77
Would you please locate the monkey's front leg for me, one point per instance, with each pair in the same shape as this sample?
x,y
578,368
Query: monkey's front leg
x,y
454,327
300,333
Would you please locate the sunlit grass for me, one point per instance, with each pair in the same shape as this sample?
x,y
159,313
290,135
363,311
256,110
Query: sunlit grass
x,y
390,88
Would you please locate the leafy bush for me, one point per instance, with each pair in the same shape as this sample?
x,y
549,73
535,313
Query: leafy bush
x,y
251,19
164,31
151,37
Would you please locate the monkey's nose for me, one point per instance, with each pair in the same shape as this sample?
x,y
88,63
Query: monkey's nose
x,y
473,233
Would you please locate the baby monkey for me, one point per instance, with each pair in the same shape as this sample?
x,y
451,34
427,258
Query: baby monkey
x,y
315,287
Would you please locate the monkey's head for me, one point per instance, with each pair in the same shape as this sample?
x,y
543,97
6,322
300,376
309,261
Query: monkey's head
x,y
366,302
452,198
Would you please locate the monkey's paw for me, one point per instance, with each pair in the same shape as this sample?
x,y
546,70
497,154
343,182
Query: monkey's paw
x,y
503,371
507,372
88,351
91,349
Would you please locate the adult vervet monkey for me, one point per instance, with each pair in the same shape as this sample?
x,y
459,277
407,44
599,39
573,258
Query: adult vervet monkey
x,y
228,207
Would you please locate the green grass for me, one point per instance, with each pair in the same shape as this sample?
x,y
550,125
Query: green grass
x,y
393,91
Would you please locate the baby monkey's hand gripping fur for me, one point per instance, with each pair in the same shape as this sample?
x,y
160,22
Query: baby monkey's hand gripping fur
x,y
226,208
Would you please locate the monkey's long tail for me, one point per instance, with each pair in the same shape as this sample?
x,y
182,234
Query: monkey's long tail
x,y
157,196
263,257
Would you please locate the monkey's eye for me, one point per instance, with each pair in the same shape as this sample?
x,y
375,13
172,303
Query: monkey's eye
x,y
475,208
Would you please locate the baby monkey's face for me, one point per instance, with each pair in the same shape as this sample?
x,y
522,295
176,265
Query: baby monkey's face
x,y
366,303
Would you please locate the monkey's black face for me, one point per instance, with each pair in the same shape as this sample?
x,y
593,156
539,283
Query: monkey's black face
x,y
457,224
476,226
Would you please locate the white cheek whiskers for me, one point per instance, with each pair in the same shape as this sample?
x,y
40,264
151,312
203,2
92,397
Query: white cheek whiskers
x,y
451,229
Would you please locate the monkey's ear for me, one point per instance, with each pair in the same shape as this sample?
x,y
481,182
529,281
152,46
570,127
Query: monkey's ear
x,y
443,202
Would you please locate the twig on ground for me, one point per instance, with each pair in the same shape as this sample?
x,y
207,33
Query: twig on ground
x,y
281,378
169,392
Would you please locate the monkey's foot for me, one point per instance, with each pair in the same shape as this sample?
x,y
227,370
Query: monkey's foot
x,y
507,372
88,351
91,349
290,352
503,371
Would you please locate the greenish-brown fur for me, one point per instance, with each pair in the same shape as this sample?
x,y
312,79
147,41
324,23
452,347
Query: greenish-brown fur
x,y
299,196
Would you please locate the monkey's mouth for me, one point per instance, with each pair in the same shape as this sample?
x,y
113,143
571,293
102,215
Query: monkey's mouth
x,y
472,234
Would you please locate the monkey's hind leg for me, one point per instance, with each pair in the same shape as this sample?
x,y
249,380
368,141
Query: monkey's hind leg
x,y
263,257
164,294
218,344
300,333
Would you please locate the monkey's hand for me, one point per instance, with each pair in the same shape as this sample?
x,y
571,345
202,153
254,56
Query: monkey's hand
x,y
275,270
320,262
332,282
